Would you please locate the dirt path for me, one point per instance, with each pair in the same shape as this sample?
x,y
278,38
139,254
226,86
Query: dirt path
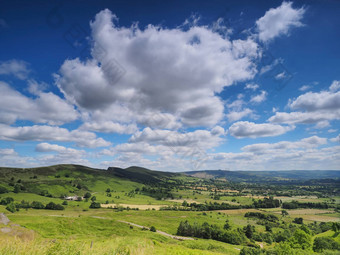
x,y
158,231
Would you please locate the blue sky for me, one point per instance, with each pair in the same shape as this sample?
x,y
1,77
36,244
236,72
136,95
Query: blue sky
x,y
237,85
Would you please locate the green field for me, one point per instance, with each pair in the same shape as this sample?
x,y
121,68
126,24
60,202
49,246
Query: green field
x,y
79,229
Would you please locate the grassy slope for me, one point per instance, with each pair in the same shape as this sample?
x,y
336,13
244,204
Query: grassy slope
x,y
75,228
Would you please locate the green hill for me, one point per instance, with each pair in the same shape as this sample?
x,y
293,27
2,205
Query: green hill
x,y
114,185
140,174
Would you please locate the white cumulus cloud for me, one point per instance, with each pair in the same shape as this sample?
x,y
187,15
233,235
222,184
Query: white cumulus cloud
x,y
279,21
159,70
244,129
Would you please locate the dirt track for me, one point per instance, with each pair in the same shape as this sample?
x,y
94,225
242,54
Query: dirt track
x,y
158,231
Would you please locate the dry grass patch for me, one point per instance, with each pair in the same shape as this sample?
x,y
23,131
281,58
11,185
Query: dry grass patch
x,y
140,207
182,200
238,211
308,211
322,218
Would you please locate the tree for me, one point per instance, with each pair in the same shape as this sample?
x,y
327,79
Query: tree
x,y
284,213
298,220
37,205
108,190
306,229
250,251
17,188
6,201
249,231
227,225
3,190
87,195
325,243
53,206
95,205
336,226
93,198
11,207
300,240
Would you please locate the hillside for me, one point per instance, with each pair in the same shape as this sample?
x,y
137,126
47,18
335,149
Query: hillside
x,y
74,209
140,174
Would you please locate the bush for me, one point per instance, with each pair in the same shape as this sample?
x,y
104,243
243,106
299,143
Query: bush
x,y
53,206
298,220
64,203
153,229
250,251
227,225
17,188
6,201
95,205
37,205
214,232
3,190
11,207
23,204
300,240
87,195
325,243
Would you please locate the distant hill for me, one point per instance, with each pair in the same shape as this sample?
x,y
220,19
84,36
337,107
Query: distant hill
x,y
140,174
265,176
133,173
146,176
46,170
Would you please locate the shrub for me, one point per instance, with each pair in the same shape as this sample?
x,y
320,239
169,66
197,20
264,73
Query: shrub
x,y
298,220
95,205
11,207
300,240
153,229
250,251
325,243
37,205
6,201
65,203
17,188
3,190
87,195
53,206
227,225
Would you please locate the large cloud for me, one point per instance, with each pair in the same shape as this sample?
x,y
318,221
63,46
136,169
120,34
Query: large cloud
x,y
308,153
314,108
279,21
244,129
157,70
18,68
306,143
109,127
46,108
198,138
49,133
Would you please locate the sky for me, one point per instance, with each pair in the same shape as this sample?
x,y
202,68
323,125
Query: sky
x,y
170,85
